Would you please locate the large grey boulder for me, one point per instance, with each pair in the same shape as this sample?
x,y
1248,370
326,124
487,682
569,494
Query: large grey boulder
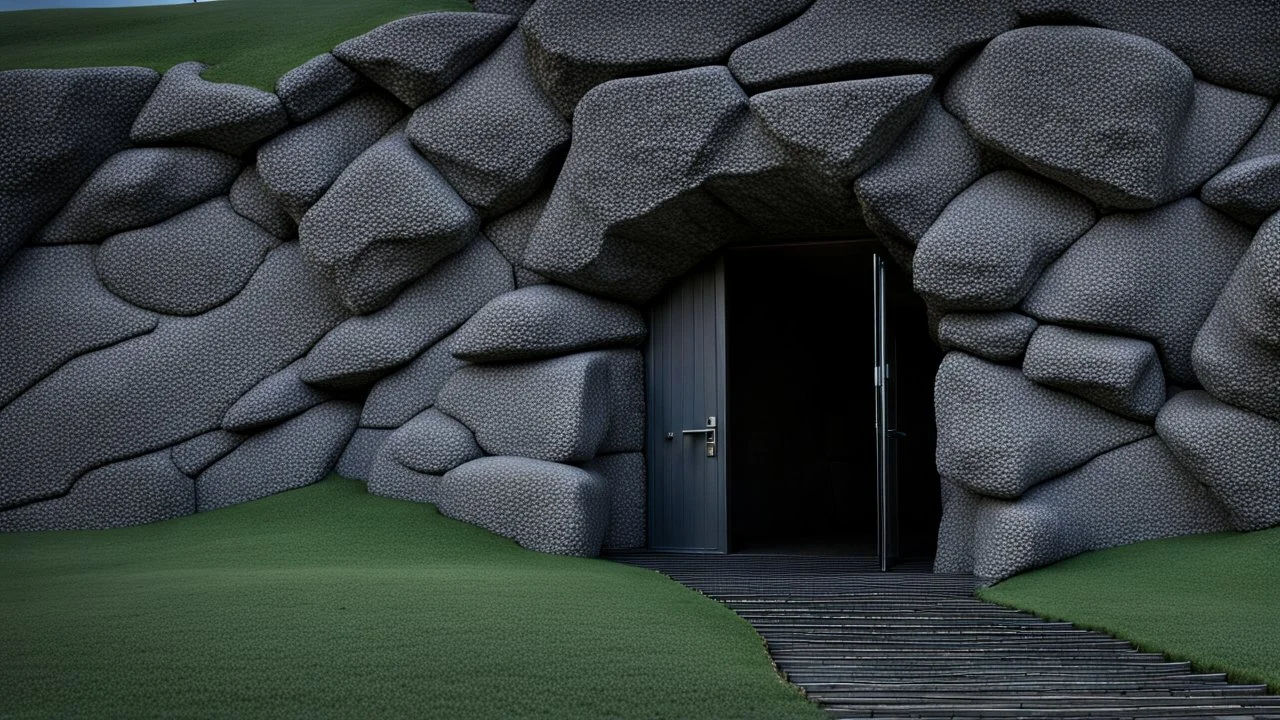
x,y
845,39
1118,373
297,453
433,443
52,309
396,398
357,458
1000,434
546,320
56,127
991,243
131,492
1154,275
186,109
1248,191
388,219
250,198
996,336
624,474
1117,118
369,346
544,506
511,232
139,187
494,134
299,165
188,264
387,477
416,57
575,45
315,86
277,398
201,451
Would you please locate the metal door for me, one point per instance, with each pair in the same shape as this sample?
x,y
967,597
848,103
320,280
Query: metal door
x,y
686,392
886,422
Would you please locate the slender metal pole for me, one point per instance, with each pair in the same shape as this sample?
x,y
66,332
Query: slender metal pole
x,y
881,410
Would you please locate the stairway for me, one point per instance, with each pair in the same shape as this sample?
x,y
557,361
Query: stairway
x,y
913,644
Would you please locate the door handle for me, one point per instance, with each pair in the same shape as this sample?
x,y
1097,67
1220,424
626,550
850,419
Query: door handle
x,y
709,432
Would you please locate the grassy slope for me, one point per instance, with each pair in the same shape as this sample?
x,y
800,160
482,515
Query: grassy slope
x,y
1211,599
327,601
246,41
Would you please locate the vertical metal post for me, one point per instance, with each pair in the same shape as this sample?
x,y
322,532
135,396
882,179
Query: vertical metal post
x,y
881,410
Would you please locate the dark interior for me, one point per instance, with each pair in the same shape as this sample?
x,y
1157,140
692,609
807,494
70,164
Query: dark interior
x,y
801,445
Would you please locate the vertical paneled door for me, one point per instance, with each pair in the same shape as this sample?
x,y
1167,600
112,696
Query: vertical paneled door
x,y
886,421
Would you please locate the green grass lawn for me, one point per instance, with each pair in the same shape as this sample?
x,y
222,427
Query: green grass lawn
x,y
1211,599
327,601
245,41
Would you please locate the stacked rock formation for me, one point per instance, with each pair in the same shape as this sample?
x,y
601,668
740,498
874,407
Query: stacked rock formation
x,y
421,259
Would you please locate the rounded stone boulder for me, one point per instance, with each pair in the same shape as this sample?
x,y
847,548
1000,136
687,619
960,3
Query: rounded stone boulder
x,y
187,109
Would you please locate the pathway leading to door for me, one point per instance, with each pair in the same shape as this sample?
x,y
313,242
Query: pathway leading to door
x,y
911,643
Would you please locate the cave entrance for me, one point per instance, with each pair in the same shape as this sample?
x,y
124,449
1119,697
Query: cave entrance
x,y
791,406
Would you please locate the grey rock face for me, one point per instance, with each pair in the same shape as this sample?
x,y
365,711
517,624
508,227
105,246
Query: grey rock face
x,y
997,336
297,453
52,309
1117,373
1248,191
201,451
369,346
844,39
187,109
315,86
132,492
278,397
546,320
1154,275
396,398
388,219
433,443
624,474
416,57
1266,141
299,165
991,243
576,45
388,478
999,434
250,198
493,134
511,232
140,187
1165,132
185,265
503,7
544,506
56,127
357,458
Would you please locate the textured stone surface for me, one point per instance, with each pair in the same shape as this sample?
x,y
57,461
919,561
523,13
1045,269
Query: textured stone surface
x,y
1118,373
996,336
315,86
544,506
416,57
388,219
388,478
277,398
433,443
56,126
1164,132
624,474
504,7
1248,191
546,320
201,451
185,265
52,308
298,166
250,198
1000,434
140,187
493,134
1154,275
357,458
511,232
296,453
187,109
991,243
396,398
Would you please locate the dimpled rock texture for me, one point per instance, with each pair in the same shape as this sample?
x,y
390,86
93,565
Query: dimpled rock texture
x,y
433,443
1248,191
358,456
1154,275
546,320
510,233
991,243
185,265
385,476
52,309
275,399
543,506
201,451
999,434
575,45
1117,373
388,219
187,109
299,452
998,336
493,134
396,398
844,39
416,57
367,347
315,86
250,198
141,490
624,474
515,8
139,187
1234,452
1163,134
56,127
298,166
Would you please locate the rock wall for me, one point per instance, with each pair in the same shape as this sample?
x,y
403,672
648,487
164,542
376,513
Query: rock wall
x,y
422,259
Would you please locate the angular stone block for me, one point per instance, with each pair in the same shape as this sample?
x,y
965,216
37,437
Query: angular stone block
x,y
433,443
1117,373
250,197
201,451
511,232
277,398
996,336
187,109
396,398
357,458
315,86
388,478
1248,191
624,474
